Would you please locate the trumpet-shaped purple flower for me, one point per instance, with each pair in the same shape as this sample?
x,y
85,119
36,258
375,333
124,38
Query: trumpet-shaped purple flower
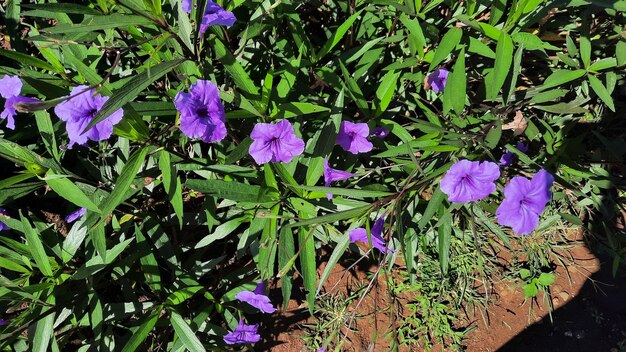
x,y
76,215
214,14
331,175
10,88
201,112
508,157
467,181
275,142
3,226
79,111
524,201
352,137
380,132
360,235
437,79
257,299
243,334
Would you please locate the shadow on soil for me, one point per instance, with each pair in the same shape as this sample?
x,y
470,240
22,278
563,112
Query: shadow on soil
x,y
595,319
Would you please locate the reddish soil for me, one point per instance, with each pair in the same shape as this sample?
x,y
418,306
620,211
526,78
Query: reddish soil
x,y
588,314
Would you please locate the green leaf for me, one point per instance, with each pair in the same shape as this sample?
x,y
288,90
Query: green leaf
x,y
445,234
601,91
385,91
307,264
530,290
141,333
186,335
336,37
449,41
504,58
585,50
131,90
620,53
46,129
220,232
286,251
36,247
64,8
572,219
74,239
352,193
124,181
416,35
234,68
236,191
338,251
561,77
68,190
333,217
95,23
493,136
28,60
288,110
44,330
455,90
172,184
546,279
433,205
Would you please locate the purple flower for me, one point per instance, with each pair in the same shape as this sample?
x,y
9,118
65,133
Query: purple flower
x,y
437,79
79,111
201,112
467,181
3,226
321,349
331,175
3,322
214,14
524,201
352,137
380,132
186,5
508,157
10,88
75,215
243,334
360,235
257,299
275,142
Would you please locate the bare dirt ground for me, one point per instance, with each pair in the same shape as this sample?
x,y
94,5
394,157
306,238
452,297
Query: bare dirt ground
x,y
588,313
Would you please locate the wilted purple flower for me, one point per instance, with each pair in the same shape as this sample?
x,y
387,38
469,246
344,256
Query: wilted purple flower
x,y
243,334
275,142
75,215
214,14
380,132
257,299
331,175
3,322
467,181
10,88
201,112
437,79
352,137
3,226
360,235
79,111
524,201
508,157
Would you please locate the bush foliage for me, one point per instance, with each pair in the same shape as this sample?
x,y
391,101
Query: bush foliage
x,y
175,227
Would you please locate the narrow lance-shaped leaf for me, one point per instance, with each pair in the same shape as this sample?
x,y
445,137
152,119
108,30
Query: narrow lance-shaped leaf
x,y
132,89
504,58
